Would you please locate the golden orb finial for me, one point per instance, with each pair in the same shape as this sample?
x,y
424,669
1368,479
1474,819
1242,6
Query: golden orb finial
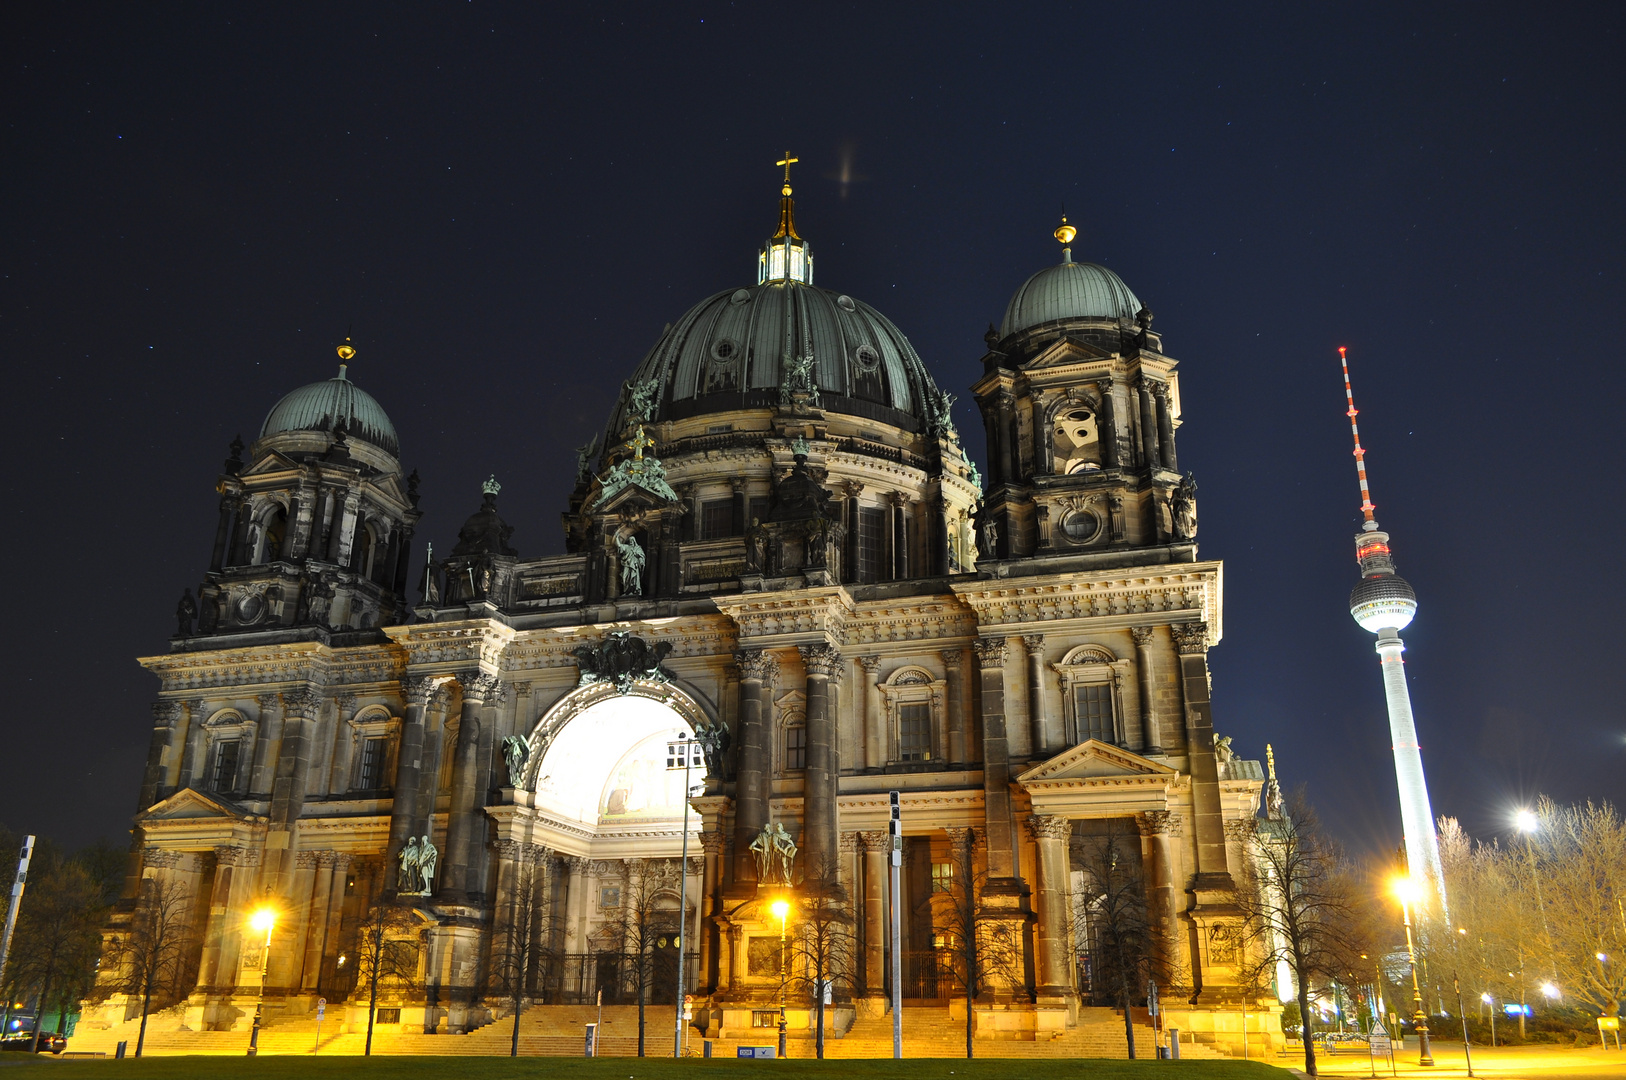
x,y
1065,232
346,351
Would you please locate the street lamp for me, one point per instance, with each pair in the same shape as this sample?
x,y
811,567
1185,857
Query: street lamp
x,y
1550,991
1407,891
781,908
263,919
1488,1000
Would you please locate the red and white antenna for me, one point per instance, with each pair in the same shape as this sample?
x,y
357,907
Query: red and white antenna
x,y
1367,505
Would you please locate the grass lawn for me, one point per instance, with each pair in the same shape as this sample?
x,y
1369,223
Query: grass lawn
x,y
555,1068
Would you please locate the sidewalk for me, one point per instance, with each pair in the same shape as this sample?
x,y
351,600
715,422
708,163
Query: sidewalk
x,y
1502,1063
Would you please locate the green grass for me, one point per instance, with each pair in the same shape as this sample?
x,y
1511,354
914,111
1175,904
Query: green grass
x,y
555,1068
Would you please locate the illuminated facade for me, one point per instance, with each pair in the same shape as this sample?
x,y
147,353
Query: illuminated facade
x,y
781,548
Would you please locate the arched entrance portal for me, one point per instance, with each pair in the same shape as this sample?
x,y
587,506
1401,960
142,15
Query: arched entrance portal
x,y
601,808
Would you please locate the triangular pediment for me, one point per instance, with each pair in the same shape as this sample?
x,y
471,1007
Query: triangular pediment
x,y
191,803
1093,759
1067,351
639,497
273,461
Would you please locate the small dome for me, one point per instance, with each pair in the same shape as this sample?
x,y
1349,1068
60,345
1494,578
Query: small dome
x,y
734,350
1069,290
320,405
1385,602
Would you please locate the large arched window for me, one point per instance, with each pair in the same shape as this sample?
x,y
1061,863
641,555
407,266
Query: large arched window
x,y
273,531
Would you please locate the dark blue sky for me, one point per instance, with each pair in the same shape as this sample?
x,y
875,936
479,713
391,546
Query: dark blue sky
x,y
509,202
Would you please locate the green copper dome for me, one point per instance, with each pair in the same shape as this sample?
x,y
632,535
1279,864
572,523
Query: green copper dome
x,y
1069,290
321,405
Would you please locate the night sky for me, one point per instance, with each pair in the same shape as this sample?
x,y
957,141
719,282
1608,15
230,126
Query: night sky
x,y
505,204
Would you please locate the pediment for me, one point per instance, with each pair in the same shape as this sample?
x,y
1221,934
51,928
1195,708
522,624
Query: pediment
x,y
1064,352
273,461
1093,759
191,803
635,497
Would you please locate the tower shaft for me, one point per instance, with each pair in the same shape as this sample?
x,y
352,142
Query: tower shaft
x,y
1416,815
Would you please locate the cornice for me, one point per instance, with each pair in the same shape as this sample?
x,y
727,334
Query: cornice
x,y
1187,592
446,647
803,617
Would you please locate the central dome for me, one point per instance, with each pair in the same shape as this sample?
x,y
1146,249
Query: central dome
x,y
736,350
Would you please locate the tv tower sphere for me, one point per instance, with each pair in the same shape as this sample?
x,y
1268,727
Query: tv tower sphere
x,y
1383,600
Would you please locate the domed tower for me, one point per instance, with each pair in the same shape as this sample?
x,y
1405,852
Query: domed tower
x,y
316,522
777,434
1384,604
1081,408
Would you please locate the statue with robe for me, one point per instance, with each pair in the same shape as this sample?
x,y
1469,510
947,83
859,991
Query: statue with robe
x,y
515,752
185,612
406,877
632,565
428,856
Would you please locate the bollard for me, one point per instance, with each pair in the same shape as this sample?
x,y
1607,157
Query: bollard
x,y
1174,1043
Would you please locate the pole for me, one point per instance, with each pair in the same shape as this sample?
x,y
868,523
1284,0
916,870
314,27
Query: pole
x,y
1419,1017
897,928
1466,1050
784,912
683,902
259,1002
17,885
598,1030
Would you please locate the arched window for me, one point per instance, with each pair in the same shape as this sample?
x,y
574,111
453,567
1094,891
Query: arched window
x,y
1075,439
361,560
272,534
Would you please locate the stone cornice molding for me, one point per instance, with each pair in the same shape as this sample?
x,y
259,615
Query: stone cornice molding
x,y
450,647
1185,592
803,617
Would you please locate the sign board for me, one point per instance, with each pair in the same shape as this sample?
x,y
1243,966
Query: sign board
x,y
1608,1023
321,1007
1515,1009
756,1051
592,1040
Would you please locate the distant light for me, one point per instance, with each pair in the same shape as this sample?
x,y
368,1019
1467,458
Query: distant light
x,y
1486,998
1526,821
1602,959
1550,990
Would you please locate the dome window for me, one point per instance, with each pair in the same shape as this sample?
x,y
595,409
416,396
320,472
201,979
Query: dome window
x,y
723,350
845,303
867,357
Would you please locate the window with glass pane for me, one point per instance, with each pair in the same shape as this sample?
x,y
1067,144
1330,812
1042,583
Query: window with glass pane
x,y
942,877
796,747
716,519
225,774
915,732
1094,703
871,534
370,777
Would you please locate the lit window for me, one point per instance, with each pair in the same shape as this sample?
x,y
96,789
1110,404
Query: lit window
x,y
776,262
915,732
942,877
797,270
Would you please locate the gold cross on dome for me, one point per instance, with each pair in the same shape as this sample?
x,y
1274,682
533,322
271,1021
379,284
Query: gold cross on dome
x,y
787,162
639,443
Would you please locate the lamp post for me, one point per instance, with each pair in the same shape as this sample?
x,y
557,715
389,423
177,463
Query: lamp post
x,y
781,908
263,919
682,753
1488,1000
1407,890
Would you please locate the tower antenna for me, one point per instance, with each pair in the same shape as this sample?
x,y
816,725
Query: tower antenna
x,y
1367,505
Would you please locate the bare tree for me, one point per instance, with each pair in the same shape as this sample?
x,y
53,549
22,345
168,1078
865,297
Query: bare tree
x,y
1300,904
645,923
824,947
523,950
388,943
152,959
1113,920
56,943
975,952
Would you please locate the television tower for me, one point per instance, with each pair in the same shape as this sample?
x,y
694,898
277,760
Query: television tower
x,y
1384,604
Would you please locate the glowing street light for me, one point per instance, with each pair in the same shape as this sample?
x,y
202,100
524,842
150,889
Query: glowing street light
x,y
264,919
1549,990
1526,821
1407,890
781,909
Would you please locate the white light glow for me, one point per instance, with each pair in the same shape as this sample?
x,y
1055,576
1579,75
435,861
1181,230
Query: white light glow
x,y
608,765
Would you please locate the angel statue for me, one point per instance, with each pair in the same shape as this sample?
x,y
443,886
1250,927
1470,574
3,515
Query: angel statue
x,y
516,752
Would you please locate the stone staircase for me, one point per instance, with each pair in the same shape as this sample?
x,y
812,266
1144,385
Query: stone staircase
x,y
558,1031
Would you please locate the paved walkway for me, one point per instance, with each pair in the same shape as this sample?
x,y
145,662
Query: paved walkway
x,y
1503,1063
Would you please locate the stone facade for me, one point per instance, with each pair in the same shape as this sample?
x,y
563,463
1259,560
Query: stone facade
x,y
810,576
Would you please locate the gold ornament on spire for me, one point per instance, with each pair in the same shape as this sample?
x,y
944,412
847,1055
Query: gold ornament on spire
x,y
787,207
346,351
1065,232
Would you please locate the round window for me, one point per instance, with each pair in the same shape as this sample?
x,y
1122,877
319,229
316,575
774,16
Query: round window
x,y
724,349
740,296
1081,526
867,357
845,303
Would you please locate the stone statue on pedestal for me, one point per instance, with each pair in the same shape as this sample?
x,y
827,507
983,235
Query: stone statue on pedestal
x,y
515,752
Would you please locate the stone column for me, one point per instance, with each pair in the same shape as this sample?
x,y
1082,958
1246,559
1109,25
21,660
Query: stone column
x,y
739,517
347,526
819,826
486,778
1106,425
1050,833
1161,828
757,671
1165,426
403,562
874,721
1213,872
940,534
894,537
576,909
214,934
228,506
852,489
1148,688
1038,405
434,750
1148,424
415,691
288,787
953,662
996,789
468,785
1038,720
711,844
877,845
316,935
287,969
268,746
1008,456
166,726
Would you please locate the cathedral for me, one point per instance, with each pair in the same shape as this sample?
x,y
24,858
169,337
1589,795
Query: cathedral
x,y
786,592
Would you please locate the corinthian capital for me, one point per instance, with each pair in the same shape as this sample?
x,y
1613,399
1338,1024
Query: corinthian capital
x,y
1142,635
301,704
415,689
820,660
990,652
757,665
477,685
166,713
1191,637
1050,827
